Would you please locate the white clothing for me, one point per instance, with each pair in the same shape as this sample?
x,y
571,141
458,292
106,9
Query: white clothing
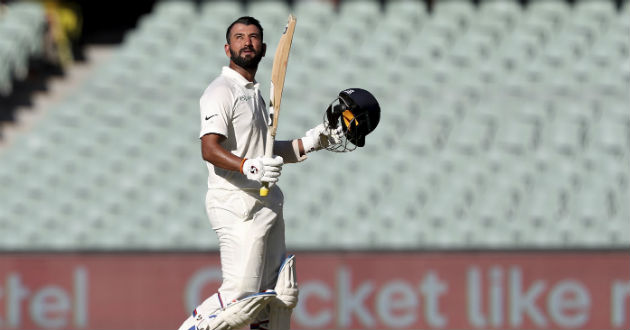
x,y
251,243
250,228
234,107
251,239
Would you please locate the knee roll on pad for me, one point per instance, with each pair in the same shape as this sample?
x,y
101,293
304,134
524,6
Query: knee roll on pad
x,y
286,285
286,298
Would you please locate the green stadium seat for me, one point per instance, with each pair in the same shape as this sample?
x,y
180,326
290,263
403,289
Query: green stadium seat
x,y
556,11
404,12
363,14
504,10
272,15
469,136
322,12
601,11
611,136
222,10
174,11
443,26
461,11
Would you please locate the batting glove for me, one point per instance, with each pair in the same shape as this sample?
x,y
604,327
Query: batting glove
x,y
320,137
263,169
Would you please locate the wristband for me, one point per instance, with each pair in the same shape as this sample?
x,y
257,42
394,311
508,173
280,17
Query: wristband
x,y
308,143
241,167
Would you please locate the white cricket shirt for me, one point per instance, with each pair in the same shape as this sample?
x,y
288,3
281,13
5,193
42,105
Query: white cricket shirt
x,y
233,107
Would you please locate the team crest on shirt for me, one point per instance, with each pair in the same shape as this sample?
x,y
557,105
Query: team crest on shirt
x,y
245,98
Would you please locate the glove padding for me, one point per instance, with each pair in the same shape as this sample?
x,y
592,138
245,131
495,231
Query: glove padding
x,y
320,137
263,169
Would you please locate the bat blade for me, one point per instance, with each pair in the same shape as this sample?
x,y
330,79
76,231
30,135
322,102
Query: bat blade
x,y
279,70
278,73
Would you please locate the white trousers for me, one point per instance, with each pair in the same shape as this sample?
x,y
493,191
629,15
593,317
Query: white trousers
x,y
251,242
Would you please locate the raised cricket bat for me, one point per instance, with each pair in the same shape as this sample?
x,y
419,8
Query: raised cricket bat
x,y
278,71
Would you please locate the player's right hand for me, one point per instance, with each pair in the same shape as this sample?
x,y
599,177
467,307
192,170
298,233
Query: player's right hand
x,y
263,169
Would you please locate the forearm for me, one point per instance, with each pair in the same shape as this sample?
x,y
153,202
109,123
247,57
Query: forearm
x,y
218,156
291,151
225,160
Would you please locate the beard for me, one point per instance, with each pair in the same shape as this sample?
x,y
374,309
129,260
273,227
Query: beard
x,y
246,62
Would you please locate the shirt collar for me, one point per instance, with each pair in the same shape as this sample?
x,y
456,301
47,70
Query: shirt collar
x,y
235,76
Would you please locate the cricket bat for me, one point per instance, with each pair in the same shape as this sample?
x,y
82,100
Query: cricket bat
x,y
278,72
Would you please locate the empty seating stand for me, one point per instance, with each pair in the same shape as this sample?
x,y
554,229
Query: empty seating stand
x,y
502,126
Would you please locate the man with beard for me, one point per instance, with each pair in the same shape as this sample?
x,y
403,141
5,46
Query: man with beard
x,y
259,286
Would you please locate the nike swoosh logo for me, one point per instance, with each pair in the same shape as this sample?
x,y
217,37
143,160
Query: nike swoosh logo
x,y
207,118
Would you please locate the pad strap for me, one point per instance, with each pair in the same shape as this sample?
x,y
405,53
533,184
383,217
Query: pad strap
x,y
280,318
236,314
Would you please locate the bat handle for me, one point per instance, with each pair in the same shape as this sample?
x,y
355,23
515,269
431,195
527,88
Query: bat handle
x,y
264,190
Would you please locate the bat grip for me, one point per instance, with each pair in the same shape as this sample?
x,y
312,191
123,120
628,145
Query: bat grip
x,y
264,190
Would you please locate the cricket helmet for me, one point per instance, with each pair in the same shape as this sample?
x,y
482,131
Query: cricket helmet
x,y
357,112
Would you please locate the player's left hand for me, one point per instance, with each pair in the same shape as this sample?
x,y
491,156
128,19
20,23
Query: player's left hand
x,y
320,137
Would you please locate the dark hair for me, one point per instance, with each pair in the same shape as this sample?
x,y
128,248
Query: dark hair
x,y
247,20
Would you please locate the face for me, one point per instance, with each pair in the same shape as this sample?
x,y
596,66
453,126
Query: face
x,y
246,48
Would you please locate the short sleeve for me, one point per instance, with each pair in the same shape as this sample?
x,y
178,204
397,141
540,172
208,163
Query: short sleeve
x,y
216,110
